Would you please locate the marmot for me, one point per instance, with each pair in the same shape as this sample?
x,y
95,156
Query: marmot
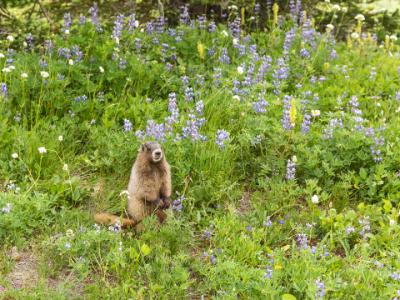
x,y
149,188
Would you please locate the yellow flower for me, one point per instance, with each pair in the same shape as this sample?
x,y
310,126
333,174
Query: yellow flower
x,y
201,50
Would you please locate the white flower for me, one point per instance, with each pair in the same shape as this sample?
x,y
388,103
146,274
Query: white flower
x,y
359,17
355,35
42,150
315,199
24,75
329,27
65,167
10,38
71,62
236,97
25,44
235,41
392,222
294,159
14,155
240,70
1,55
60,138
44,74
6,70
136,23
336,7
101,69
393,37
11,67
224,33
344,9
66,31
124,193
315,112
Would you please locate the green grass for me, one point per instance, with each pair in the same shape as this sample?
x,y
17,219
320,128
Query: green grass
x,y
246,230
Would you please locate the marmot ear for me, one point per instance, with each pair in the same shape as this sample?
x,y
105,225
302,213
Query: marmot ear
x,y
142,147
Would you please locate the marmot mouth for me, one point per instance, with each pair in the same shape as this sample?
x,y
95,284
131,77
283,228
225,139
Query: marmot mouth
x,y
157,155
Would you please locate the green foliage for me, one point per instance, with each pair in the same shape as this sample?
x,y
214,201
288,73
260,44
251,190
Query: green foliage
x,y
288,177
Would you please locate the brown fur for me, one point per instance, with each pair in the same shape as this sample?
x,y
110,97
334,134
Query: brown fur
x,y
149,185
149,188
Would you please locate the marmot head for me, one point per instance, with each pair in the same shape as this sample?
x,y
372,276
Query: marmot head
x,y
152,151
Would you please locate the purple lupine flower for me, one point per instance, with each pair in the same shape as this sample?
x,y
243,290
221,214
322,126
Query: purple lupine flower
x,y
224,58
202,20
140,135
82,20
118,26
213,259
132,23
189,94
234,27
7,209
156,131
192,128
260,106
395,276
217,76
268,272
289,37
264,68
207,234
82,98
302,240
29,40
43,63
127,125
77,53
365,226
257,8
308,33
199,107
185,80
220,138
350,230
268,222
357,113
333,124
241,49
291,169
177,204
3,90
122,63
249,228
320,289
305,126
287,105
159,25
333,55
67,22
184,17
64,52
280,74
94,17
49,46
292,9
212,27
304,53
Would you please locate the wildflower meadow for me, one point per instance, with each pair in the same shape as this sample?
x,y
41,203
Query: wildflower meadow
x,y
283,141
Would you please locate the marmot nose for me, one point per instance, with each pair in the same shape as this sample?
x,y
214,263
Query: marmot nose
x,y
157,152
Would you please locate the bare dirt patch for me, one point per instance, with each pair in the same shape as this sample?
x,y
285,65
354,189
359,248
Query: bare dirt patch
x,y
25,272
